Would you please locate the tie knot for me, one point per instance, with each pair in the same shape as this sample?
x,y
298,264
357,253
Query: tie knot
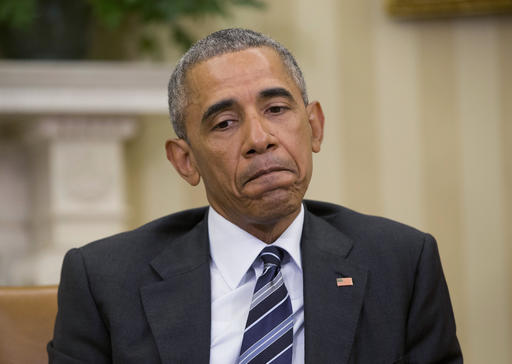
x,y
272,255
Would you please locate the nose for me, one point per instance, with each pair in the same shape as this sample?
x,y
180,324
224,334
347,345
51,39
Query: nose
x,y
258,136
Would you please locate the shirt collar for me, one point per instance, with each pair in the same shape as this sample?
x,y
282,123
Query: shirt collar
x,y
233,250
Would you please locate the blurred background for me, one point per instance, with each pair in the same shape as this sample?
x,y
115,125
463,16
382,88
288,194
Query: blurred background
x,y
418,105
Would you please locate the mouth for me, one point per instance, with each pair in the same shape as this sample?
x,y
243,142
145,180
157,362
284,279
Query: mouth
x,y
265,171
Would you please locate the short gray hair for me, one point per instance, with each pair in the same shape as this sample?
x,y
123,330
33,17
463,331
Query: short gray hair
x,y
215,44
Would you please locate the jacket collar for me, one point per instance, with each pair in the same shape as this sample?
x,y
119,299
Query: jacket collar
x,y
178,307
331,312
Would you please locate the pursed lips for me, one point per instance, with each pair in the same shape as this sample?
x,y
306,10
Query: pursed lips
x,y
267,170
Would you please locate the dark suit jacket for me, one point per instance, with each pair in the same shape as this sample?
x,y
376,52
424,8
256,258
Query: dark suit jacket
x,y
144,296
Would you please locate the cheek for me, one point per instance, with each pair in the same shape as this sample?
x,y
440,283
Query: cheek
x,y
298,143
305,162
301,130
219,169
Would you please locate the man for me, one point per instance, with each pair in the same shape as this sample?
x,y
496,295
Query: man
x,y
261,275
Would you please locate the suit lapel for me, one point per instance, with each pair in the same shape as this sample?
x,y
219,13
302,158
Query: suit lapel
x,y
331,313
178,307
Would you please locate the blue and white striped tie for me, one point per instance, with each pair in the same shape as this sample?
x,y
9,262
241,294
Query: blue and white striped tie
x,y
268,336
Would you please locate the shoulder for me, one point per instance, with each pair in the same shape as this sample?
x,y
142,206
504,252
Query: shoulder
x,y
355,223
370,235
139,246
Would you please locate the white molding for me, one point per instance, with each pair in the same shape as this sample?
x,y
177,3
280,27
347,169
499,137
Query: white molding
x,y
35,87
79,127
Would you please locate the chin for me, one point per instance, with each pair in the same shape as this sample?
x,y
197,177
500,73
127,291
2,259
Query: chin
x,y
275,206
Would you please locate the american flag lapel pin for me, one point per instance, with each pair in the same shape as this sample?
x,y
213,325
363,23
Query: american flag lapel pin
x,y
345,281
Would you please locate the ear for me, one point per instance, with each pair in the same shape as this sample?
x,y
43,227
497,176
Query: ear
x,y
181,157
316,121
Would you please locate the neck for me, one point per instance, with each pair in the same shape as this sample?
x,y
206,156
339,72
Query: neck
x,y
267,231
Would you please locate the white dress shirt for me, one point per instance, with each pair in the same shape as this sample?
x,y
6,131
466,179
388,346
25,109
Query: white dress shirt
x,y
234,271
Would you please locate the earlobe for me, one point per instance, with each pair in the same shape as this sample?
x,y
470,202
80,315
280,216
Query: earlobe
x,y
180,155
316,121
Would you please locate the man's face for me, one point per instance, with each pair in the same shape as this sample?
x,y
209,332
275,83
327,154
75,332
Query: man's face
x,y
250,136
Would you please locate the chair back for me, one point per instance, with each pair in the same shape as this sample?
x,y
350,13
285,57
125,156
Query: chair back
x,y
27,317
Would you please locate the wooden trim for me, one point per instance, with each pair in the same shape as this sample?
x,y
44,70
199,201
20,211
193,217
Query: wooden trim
x,y
447,8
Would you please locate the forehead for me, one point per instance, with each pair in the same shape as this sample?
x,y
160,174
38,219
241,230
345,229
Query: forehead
x,y
237,73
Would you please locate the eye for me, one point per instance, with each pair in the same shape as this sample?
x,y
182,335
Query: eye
x,y
224,124
277,109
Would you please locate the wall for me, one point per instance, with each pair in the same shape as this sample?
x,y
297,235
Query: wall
x,y
418,129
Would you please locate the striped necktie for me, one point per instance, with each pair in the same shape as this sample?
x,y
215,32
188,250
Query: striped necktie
x,y
268,335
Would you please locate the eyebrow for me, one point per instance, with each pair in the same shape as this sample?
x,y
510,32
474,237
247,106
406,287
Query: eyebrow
x,y
276,92
217,107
